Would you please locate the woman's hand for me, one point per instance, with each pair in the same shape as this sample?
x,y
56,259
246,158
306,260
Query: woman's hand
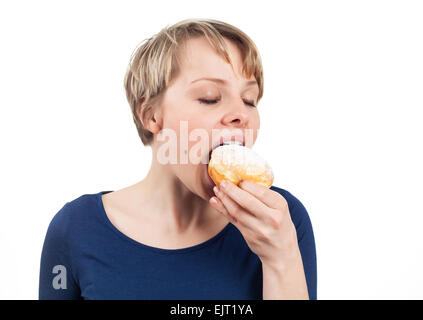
x,y
262,216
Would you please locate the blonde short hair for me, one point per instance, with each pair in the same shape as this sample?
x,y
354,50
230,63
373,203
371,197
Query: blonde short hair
x,y
155,62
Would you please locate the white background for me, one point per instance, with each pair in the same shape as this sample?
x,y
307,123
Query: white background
x,y
341,124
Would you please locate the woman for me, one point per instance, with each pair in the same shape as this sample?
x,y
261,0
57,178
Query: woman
x,y
175,235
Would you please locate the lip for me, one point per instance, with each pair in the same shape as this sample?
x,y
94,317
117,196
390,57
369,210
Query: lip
x,y
223,139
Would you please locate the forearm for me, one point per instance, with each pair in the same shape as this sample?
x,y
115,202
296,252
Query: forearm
x,y
285,281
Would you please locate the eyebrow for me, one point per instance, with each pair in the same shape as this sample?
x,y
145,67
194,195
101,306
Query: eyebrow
x,y
248,83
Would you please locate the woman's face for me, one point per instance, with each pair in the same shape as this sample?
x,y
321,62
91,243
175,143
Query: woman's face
x,y
201,112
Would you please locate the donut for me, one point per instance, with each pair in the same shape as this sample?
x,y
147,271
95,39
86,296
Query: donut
x,y
236,163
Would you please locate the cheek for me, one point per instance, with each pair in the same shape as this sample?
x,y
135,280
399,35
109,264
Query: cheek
x,y
256,119
172,120
199,142
252,130
180,117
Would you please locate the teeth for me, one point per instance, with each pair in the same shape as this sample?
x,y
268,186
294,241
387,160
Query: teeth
x,y
232,142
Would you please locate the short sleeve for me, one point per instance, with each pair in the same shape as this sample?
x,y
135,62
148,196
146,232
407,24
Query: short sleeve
x,y
306,242
57,281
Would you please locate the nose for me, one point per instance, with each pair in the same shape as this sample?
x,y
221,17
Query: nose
x,y
237,115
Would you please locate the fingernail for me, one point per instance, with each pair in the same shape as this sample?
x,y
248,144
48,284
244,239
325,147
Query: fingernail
x,y
216,190
213,200
223,184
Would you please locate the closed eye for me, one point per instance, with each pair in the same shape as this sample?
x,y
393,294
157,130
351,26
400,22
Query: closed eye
x,y
250,103
208,101
205,101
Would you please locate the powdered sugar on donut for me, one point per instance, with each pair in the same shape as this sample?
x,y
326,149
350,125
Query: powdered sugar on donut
x,y
237,156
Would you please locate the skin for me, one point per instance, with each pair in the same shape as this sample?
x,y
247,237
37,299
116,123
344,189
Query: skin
x,y
188,209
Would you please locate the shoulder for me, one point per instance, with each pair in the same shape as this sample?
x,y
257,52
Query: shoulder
x,y
294,203
297,210
73,214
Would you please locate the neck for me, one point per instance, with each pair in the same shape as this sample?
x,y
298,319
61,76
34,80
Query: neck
x,y
170,202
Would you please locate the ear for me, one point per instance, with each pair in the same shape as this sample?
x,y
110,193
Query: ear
x,y
152,120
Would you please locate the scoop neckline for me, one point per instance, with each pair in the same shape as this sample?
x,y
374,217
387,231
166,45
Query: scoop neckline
x,y
204,244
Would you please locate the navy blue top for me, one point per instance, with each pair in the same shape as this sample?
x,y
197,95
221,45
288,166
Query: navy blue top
x,y
85,256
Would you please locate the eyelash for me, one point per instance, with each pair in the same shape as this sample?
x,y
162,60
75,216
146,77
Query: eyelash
x,y
205,101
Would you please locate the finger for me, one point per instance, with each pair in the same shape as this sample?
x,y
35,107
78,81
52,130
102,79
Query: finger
x,y
244,199
236,211
269,197
218,205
